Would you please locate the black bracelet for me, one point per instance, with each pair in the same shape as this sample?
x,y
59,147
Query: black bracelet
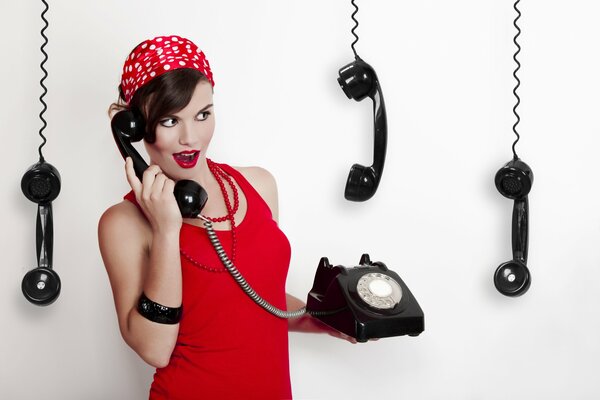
x,y
158,313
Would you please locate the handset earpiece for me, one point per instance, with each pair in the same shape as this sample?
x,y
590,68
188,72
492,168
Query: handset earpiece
x,y
359,80
41,184
129,126
514,181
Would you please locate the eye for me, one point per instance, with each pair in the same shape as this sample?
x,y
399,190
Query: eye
x,y
168,122
202,116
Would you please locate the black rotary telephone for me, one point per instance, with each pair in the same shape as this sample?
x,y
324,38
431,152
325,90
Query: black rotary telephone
x,y
514,181
41,184
367,301
359,80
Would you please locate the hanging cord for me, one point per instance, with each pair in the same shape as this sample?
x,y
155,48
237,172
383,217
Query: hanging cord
x,y
43,79
354,28
517,79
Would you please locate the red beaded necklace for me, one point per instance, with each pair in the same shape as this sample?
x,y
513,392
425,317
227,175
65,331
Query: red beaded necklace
x,y
221,176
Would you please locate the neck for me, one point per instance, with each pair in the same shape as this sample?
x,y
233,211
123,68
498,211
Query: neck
x,y
203,176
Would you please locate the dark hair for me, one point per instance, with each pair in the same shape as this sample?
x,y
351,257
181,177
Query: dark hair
x,y
165,94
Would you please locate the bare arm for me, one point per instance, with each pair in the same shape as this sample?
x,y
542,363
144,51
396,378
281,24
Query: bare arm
x,y
142,256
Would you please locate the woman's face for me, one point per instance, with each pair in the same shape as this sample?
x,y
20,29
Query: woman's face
x,y
182,138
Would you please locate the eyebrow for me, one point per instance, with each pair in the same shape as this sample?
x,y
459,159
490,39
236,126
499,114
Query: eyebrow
x,y
206,107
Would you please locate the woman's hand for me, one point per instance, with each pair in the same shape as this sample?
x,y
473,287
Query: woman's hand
x,y
154,194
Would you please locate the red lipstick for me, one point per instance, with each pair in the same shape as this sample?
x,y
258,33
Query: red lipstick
x,y
187,158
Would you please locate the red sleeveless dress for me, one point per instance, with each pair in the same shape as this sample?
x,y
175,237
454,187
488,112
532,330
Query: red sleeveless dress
x,y
228,347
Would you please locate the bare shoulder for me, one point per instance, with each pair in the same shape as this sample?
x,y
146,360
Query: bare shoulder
x,y
264,183
122,225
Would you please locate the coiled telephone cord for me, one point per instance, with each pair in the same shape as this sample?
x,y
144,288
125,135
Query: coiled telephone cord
x,y
212,236
45,90
515,23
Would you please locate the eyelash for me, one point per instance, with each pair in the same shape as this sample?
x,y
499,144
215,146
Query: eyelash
x,y
163,121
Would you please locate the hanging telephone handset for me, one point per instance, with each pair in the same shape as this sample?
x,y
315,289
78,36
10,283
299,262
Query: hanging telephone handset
x,y
365,302
41,184
359,80
514,181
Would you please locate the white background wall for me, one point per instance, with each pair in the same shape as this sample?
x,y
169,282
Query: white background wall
x,y
437,219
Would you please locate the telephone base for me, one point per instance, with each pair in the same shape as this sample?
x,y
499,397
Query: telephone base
x,y
365,302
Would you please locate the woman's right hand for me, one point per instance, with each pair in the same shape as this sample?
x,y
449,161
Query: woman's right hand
x,y
154,194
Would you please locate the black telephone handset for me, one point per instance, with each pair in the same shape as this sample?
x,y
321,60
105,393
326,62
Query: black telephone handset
x,y
366,302
359,80
41,184
128,126
514,181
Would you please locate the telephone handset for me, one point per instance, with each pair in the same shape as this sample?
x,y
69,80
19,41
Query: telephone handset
x,y
359,80
41,184
365,302
514,181
128,126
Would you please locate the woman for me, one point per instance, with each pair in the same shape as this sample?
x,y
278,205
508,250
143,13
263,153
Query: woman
x,y
210,339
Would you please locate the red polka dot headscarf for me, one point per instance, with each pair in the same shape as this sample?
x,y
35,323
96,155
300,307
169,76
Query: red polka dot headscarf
x,y
154,57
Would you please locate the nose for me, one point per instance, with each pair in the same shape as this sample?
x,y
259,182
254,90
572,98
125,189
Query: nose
x,y
186,134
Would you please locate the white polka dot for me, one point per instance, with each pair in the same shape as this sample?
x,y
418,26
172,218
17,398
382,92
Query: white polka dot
x,y
196,65
148,64
189,51
159,39
182,63
152,47
167,67
152,73
175,39
159,51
